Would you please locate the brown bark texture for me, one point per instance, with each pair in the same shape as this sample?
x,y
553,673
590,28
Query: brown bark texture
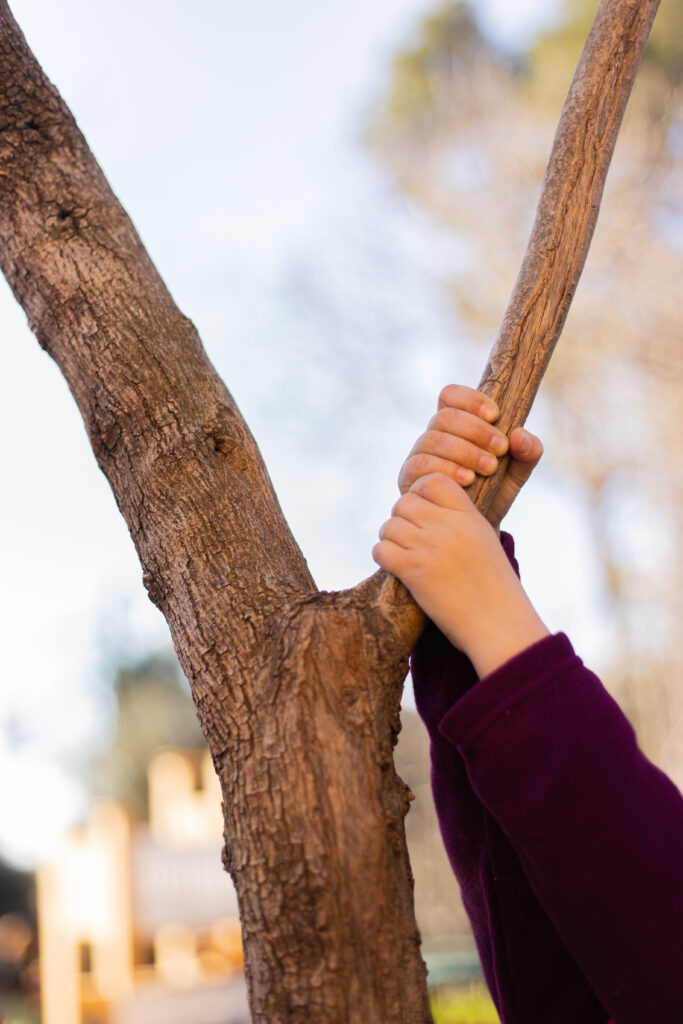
x,y
297,691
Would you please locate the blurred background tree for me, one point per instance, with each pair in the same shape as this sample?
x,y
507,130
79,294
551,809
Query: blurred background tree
x,y
465,130
153,709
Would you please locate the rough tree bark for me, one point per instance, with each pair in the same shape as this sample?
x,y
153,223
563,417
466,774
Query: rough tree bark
x,y
297,691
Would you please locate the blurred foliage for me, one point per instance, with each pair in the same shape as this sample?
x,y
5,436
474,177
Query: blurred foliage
x,y
18,1010
554,55
153,709
663,56
449,35
451,41
474,1006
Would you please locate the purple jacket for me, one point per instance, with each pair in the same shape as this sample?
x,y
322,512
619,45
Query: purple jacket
x,y
567,842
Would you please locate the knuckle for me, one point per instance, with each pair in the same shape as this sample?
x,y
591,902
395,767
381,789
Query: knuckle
x,y
447,394
402,505
447,420
389,557
458,396
431,484
419,464
382,554
431,442
441,419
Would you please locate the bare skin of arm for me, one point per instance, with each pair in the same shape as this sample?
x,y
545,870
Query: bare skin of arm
x,y
444,551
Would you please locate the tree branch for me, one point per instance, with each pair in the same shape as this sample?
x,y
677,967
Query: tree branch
x,y
566,215
556,253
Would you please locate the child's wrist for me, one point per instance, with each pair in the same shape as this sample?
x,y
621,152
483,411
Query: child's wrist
x,y
505,636
495,631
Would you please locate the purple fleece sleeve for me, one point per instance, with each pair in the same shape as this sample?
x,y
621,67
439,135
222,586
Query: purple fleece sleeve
x,y
531,974
597,827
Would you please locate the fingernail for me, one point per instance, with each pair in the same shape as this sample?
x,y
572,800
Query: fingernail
x,y
490,412
465,476
487,463
499,445
524,444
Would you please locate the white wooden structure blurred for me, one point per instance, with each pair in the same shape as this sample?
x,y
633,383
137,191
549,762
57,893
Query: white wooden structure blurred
x,y
139,922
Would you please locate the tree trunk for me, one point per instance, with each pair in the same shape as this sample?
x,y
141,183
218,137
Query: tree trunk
x,y
297,691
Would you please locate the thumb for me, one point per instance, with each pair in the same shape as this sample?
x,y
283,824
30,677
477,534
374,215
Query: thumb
x,y
525,452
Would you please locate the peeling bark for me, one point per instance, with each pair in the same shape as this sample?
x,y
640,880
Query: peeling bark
x,y
297,691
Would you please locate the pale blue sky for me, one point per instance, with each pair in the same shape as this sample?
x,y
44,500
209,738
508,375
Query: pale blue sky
x,y
231,134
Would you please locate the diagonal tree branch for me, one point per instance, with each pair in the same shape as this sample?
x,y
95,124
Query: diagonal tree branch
x,y
567,213
556,253
186,473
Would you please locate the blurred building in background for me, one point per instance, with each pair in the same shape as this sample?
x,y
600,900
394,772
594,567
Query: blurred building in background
x,y
138,922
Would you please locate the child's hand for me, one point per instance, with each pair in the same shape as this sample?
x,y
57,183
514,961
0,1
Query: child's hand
x,y
461,440
452,562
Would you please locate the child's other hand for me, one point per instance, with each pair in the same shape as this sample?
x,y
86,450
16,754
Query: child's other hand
x,y
461,440
452,562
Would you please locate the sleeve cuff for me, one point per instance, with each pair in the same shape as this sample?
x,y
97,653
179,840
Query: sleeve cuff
x,y
495,694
